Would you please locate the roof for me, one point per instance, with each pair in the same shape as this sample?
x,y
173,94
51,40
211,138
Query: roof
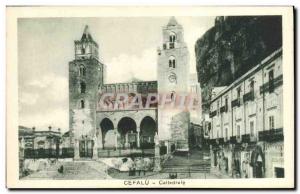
x,y
86,36
172,22
259,66
25,131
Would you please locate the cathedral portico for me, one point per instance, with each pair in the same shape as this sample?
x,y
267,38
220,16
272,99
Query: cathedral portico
x,y
126,129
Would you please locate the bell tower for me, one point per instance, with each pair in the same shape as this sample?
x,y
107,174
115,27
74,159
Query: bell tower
x,y
173,60
173,77
85,76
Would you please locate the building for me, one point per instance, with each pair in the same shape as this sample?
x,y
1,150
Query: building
x,y
101,122
39,143
173,80
246,136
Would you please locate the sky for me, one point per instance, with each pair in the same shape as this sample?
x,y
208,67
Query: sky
x,y
127,46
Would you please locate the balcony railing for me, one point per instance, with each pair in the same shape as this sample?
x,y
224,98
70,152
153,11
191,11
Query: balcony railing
x,y
246,138
267,87
271,135
224,109
220,141
235,103
212,114
248,96
233,139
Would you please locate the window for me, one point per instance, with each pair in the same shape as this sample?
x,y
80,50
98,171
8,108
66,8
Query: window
x,y
226,104
218,107
252,86
251,128
226,133
82,70
238,90
172,37
82,104
238,131
83,51
172,62
82,88
271,81
271,122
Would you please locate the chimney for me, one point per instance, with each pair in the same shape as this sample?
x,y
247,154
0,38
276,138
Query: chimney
x,y
49,128
58,130
33,129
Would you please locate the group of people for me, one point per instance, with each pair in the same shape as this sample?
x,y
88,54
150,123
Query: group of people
x,y
139,166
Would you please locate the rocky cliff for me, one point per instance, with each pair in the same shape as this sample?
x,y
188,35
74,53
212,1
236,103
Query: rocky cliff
x,y
232,47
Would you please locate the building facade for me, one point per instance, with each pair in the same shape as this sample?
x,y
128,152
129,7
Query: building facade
x,y
101,123
246,135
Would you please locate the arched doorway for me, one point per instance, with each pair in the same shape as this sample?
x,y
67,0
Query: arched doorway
x,y
147,133
127,130
107,128
257,162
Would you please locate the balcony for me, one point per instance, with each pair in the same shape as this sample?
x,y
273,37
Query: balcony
x,y
271,135
233,140
236,102
220,141
224,109
269,87
212,114
246,138
248,96
212,142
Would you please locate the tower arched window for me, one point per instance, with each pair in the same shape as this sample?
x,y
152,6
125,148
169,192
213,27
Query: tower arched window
x,y
82,70
172,37
172,62
82,105
82,87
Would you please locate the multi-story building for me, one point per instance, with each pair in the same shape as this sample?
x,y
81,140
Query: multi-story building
x,y
246,135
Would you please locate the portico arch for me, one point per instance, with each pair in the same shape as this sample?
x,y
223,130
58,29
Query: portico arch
x,y
127,129
107,129
148,128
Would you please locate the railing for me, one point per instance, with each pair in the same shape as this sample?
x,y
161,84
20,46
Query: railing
x,y
224,109
48,153
107,153
233,139
246,138
248,96
212,114
235,103
267,87
220,141
271,135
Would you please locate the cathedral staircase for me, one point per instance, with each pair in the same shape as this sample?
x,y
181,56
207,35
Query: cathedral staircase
x,y
195,162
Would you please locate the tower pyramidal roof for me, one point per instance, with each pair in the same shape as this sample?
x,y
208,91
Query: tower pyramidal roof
x,y
86,34
172,22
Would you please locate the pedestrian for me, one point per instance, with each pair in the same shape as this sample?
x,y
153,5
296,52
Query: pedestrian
x,y
143,166
138,165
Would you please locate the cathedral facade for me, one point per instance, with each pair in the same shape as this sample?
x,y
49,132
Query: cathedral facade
x,y
102,125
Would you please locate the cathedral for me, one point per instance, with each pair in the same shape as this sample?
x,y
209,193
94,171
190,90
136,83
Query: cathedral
x,y
97,131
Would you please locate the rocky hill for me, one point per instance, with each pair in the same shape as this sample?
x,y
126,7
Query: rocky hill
x,y
232,47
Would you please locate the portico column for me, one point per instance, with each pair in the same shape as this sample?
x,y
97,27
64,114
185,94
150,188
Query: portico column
x,y
138,137
76,150
126,140
116,138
